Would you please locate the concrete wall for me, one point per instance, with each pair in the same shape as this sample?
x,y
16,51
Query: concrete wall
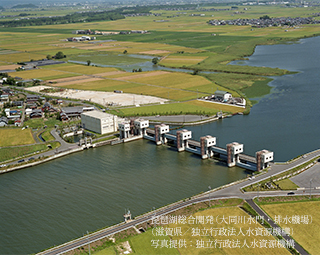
x,y
100,125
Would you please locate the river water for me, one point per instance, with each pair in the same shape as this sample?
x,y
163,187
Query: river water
x,y
58,201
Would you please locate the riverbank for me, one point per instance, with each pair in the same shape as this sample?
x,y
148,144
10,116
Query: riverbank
x,y
54,155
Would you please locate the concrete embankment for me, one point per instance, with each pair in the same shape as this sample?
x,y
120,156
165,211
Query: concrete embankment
x,y
55,156
58,155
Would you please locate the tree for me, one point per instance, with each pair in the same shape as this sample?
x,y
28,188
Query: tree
x,y
265,17
88,62
49,57
155,61
140,70
125,52
195,72
60,55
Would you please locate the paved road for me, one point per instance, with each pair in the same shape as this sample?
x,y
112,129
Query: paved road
x,y
228,192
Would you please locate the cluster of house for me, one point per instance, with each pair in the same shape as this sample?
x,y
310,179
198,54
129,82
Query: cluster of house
x,y
74,112
81,39
266,22
89,32
226,97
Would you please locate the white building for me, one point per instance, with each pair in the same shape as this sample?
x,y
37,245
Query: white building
x,y
99,122
222,95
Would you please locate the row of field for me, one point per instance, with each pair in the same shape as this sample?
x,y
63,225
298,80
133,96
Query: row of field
x,y
170,85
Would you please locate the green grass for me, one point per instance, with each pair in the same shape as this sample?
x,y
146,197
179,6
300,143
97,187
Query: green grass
x,y
261,185
192,107
15,136
14,152
141,244
106,58
305,234
47,136
286,184
258,88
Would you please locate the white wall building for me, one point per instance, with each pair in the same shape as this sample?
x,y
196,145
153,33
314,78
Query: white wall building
x,y
99,122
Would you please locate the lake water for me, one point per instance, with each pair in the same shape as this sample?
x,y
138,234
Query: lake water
x,y
58,201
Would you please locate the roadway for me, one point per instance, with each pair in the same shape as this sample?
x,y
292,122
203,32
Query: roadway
x,y
232,191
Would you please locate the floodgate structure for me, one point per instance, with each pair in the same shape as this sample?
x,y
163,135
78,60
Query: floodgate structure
x,y
206,148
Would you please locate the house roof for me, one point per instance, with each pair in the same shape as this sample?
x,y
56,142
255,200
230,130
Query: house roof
x,y
4,119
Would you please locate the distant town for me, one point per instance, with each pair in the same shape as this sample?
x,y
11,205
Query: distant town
x,y
266,21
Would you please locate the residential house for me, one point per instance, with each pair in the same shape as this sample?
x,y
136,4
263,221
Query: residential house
x,y
17,123
64,117
36,113
48,107
3,121
72,112
32,98
4,98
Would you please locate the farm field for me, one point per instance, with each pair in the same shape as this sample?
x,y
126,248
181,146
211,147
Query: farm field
x,y
184,40
43,74
304,232
15,136
80,69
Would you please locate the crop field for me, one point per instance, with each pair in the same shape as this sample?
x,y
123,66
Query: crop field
x,y
15,136
8,67
174,80
184,40
305,233
43,74
177,61
80,69
100,85
20,57
191,107
130,76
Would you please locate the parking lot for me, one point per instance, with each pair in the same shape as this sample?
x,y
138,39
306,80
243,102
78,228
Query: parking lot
x,y
303,179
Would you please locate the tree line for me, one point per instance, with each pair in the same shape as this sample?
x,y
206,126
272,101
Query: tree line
x,y
76,17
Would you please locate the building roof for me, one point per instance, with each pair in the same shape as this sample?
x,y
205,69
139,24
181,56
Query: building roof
x,y
221,92
4,119
78,109
97,114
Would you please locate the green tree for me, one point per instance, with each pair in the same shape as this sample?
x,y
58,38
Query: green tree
x,y
49,57
155,61
125,52
88,62
60,55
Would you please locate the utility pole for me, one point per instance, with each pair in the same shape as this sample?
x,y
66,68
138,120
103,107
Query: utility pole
x,y
88,243
209,195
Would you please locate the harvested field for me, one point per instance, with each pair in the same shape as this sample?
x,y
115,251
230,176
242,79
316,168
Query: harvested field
x,y
8,67
74,78
103,98
14,136
154,52
109,73
146,74
87,79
